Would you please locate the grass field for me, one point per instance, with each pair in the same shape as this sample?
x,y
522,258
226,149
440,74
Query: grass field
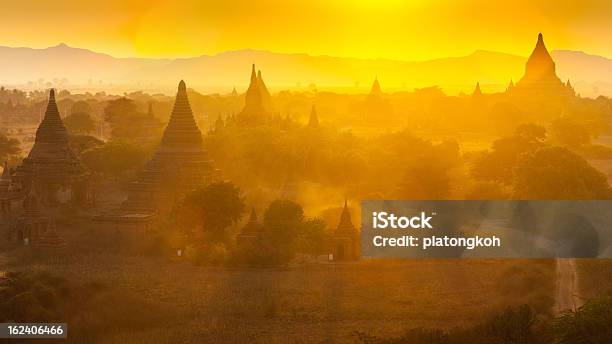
x,y
304,304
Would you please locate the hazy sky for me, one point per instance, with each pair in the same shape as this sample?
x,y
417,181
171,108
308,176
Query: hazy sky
x,y
408,30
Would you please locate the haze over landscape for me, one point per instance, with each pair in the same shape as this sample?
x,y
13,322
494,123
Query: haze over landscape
x,y
84,69
216,172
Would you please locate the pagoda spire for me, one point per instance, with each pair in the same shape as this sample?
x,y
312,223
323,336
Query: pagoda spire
x,y
253,76
313,122
477,92
540,65
345,225
345,218
253,100
182,128
375,90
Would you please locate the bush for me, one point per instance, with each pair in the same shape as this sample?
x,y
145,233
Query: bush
x,y
590,323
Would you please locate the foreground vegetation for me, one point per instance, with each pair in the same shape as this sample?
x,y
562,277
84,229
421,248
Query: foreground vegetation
x,y
127,299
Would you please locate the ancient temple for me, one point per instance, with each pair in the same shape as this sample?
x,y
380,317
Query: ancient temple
x,y
9,192
375,107
251,232
375,91
313,121
540,74
32,223
51,166
477,92
180,164
346,238
257,102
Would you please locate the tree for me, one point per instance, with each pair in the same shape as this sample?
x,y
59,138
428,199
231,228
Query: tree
x,y
128,123
531,132
497,165
83,143
428,175
81,107
282,223
569,132
8,147
312,237
115,158
216,207
80,123
558,173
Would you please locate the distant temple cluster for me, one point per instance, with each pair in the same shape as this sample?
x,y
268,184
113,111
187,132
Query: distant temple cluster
x,y
51,175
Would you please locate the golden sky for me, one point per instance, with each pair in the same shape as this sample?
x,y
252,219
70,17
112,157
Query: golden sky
x,y
407,30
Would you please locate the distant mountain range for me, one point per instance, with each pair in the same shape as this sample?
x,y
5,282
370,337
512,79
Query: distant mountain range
x,y
85,69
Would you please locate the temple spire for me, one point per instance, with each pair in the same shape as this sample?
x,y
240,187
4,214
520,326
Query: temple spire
x,y
540,66
182,128
375,90
253,76
313,122
345,218
477,92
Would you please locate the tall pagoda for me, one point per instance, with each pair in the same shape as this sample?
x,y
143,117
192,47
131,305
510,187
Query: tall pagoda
x,y
51,166
346,238
180,164
313,121
257,102
375,91
540,76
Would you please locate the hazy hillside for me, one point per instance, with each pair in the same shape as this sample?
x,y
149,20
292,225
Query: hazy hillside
x,y
20,66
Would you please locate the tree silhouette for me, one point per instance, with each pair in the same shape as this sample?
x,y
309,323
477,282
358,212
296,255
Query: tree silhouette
x,y
218,206
558,173
8,147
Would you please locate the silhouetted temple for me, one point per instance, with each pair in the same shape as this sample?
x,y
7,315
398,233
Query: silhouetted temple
x,y
9,192
375,91
180,164
477,92
51,166
257,102
346,238
313,121
540,74
32,223
251,231
375,107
